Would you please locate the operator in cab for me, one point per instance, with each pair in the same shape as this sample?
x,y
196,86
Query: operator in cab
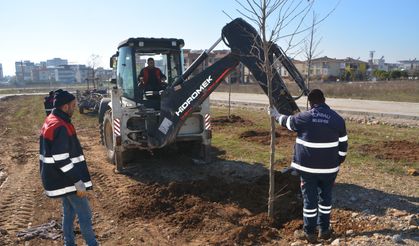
x,y
151,79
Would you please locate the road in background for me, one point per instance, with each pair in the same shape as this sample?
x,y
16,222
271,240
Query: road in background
x,y
404,110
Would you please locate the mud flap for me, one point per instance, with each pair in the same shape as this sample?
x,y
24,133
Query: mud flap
x,y
119,160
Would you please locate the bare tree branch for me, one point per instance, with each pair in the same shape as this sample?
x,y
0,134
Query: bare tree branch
x,y
287,13
316,24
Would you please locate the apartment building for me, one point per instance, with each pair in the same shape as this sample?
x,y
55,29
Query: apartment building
x,y
239,75
56,62
23,70
42,74
64,74
1,72
410,65
300,65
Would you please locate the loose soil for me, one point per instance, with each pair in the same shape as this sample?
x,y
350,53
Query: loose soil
x,y
168,199
282,137
394,150
233,120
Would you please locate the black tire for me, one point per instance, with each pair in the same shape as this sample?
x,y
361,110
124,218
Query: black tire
x,y
103,107
107,136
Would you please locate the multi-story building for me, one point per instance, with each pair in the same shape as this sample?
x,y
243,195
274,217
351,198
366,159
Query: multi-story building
x,y
325,67
103,74
239,75
410,65
82,73
65,74
300,65
1,72
332,69
23,70
41,74
56,62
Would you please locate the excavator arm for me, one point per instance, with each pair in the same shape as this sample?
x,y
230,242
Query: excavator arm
x,y
186,94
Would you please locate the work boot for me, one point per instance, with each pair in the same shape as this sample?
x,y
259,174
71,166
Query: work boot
x,y
325,234
302,235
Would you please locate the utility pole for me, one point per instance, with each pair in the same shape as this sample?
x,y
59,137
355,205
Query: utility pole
x,y
371,62
372,58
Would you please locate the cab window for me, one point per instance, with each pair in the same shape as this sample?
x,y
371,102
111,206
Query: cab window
x,y
125,73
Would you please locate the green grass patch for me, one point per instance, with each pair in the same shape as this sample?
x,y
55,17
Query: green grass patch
x,y
368,144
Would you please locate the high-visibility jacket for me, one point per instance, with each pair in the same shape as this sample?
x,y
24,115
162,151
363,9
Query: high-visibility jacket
x,y
151,78
322,141
61,158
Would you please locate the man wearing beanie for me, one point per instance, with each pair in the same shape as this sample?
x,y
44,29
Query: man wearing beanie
x,y
320,148
64,170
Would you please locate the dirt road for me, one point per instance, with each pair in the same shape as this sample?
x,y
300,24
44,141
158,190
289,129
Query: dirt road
x,y
167,199
355,106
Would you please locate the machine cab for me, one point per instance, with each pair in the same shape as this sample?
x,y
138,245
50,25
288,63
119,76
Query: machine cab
x,y
131,59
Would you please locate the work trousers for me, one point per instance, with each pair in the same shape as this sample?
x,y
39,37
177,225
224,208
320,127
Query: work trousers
x,y
316,189
72,205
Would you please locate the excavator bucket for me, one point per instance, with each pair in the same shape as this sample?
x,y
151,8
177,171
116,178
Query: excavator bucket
x,y
246,44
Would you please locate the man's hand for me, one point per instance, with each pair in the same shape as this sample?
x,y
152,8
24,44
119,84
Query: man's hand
x,y
80,189
273,112
81,193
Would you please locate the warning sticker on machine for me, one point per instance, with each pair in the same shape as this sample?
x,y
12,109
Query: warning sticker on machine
x,y
165,125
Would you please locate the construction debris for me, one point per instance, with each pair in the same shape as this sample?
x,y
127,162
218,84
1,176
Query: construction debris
x,y
51,230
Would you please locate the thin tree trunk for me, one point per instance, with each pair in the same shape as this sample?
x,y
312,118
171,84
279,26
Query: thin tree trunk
x,y
268,69
229,100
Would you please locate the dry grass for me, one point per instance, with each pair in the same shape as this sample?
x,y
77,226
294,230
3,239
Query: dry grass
x,y
401,91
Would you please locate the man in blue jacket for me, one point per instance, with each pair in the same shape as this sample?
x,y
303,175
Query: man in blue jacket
x,y
320,148
63,168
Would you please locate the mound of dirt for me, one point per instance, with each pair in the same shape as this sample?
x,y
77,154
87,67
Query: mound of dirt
x,y
264,137
235,211
346,219
393,150
232,120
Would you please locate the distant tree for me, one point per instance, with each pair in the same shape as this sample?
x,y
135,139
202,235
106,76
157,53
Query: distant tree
x,y
346,75
381,74
311,44
93,62
395,74
404,74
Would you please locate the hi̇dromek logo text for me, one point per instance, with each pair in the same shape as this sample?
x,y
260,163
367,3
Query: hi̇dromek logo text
x,y
194,95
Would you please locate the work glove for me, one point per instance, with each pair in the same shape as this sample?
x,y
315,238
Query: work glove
x,y
80,188
273,112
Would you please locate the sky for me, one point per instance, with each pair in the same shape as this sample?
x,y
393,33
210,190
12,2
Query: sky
x,y
76,29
